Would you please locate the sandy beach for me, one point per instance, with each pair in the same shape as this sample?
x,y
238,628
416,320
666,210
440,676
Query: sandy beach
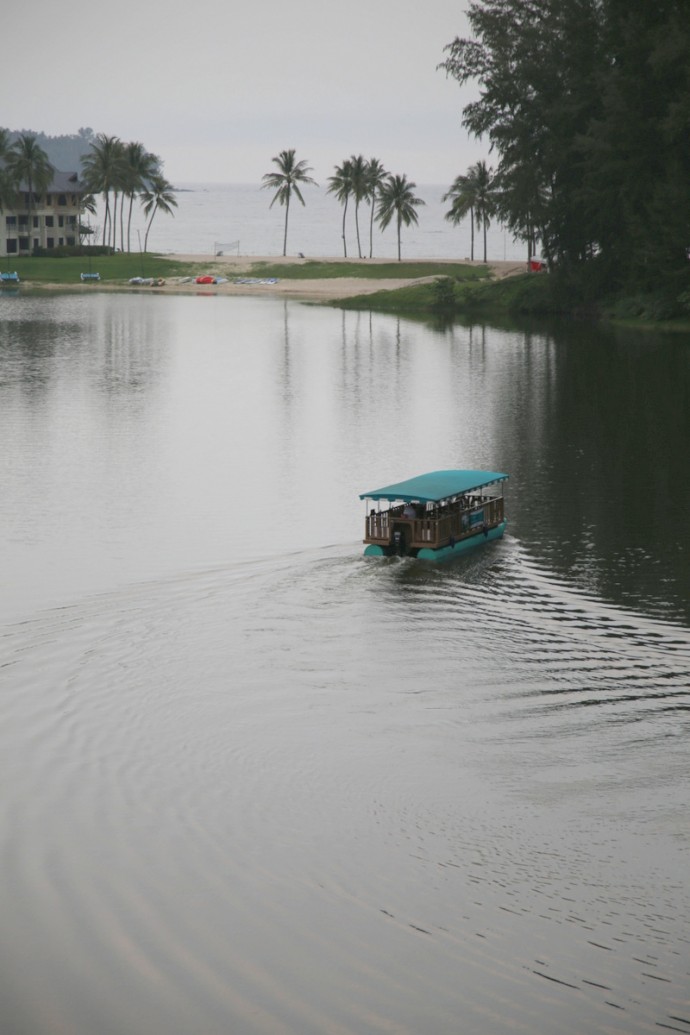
x,y
321,290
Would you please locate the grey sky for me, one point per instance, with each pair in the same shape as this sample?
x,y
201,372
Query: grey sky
x,y
217,89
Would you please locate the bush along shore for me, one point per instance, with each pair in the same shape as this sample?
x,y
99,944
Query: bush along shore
x,y
528,294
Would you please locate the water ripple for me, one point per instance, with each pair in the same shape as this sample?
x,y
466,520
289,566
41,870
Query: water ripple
x,y
325,794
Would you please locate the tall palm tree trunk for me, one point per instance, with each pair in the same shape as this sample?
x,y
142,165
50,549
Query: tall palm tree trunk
x,y
129,223
106,215
287,213
30,216
344,237
359,246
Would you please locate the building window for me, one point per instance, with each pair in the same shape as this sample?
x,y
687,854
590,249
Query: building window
x,y
50,242
24,221
24,244
71,241
49,199
62,199
35,219
12,247
61,241
11,221
50,220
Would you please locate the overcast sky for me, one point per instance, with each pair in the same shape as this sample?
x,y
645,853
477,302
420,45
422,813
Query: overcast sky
x,y
216,89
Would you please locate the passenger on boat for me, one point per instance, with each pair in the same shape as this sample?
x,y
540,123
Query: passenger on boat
x,y
409,511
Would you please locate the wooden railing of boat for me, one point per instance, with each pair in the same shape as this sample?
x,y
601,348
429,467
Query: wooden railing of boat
x,y
437,526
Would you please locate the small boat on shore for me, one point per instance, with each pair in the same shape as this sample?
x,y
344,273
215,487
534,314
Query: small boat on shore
x,y
435,515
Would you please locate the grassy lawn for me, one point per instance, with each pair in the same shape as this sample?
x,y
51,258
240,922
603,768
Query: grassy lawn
x,y
315,270
113,268
121,267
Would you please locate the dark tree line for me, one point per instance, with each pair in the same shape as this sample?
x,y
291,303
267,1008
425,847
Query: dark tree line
x,y
586,106
65,151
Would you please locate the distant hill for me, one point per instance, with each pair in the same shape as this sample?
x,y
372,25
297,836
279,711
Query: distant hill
x,y
64,152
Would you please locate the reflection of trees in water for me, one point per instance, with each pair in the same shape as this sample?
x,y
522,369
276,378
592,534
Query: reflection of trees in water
x,y
110,344
131,342
596,435
593,426
27,353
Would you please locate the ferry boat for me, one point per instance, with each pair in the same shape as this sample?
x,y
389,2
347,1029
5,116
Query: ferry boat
x,y
435,515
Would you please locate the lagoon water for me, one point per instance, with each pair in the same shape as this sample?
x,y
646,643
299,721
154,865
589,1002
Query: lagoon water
x,y
255,783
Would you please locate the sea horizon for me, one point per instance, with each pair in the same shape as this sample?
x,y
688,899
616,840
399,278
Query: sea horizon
x,y
237,218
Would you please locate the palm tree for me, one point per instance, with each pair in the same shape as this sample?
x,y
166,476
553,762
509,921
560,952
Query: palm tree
x,y
473,193
87,203
119,184
28,163
463,197
158,195
358,167
485,202
397,198
286,182
8,191
376,177
340,184
140,167
101,171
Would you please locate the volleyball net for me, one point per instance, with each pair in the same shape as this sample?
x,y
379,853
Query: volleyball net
x,y
226,247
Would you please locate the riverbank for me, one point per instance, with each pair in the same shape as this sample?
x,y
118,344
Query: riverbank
x,y
433,287
323,280
292,278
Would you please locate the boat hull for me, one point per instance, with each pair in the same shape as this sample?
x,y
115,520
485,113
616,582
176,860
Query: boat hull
x,y
425,553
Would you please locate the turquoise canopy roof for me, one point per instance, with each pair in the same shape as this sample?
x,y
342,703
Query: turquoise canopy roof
x,y
435,486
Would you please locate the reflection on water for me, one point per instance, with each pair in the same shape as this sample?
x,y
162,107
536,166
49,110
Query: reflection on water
x,y
256,783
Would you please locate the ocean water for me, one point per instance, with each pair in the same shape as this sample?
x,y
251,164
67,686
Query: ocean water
x,y
238,218
253,782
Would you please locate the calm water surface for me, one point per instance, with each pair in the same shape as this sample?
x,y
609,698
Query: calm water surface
x,y
254,783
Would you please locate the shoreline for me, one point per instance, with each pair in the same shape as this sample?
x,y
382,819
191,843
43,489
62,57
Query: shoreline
x,y
323,290
318,290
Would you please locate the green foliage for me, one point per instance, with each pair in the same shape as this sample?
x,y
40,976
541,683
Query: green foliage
x,y
397,199
587,105
66,251
473,193
315,270
527,294
444,293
